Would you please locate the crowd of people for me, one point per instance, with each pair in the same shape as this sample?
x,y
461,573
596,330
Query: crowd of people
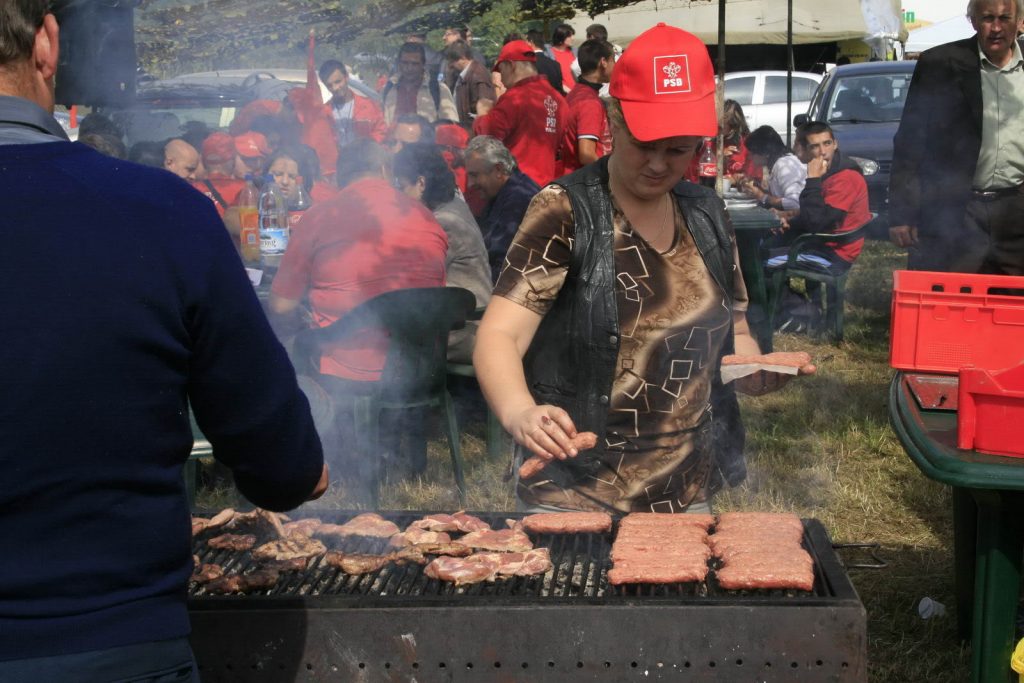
x,y
433,184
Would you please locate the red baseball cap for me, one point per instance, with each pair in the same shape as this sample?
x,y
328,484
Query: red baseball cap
x,y
451,135
252,144
666,85
516,51
218,148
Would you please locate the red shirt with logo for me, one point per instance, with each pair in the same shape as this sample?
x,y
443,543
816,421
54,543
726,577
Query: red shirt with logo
x,y
530,118
588,120
369,239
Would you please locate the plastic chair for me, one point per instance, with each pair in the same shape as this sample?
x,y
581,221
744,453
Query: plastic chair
x,y
417,322
495,433
833,286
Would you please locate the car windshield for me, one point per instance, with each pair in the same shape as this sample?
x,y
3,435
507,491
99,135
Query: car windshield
x,y
870,98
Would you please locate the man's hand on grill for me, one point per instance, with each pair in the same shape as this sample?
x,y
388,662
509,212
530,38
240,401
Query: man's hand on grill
x,y
545,430
321,486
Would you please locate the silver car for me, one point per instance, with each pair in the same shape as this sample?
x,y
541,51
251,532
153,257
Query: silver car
x,y
762,94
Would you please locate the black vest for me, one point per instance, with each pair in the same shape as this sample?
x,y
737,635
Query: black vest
x,y
571,361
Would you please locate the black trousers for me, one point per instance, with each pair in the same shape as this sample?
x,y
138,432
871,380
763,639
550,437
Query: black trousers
x,y
165,661
988,239
1002,220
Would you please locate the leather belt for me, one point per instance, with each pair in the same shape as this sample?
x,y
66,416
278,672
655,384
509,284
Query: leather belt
x,y
998,193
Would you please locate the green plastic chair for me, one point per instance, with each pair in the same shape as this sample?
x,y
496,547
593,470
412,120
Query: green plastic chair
x,y
495,434
417,322
833,286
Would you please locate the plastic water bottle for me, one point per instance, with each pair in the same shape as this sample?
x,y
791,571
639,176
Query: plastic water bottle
x,y
249,219
273,215
299,205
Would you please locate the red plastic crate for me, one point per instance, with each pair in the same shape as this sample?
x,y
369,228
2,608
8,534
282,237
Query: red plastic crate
x,y
991,411
942,322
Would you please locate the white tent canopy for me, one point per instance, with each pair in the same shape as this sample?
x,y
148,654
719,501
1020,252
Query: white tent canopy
x,y
937,34
748,21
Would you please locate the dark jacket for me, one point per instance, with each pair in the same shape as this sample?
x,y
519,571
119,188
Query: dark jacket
x,y
815,214
935,151
501,222
571,361
551,70
107,342
476,86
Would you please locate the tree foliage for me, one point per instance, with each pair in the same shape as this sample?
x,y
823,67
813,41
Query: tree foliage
x,y
176,36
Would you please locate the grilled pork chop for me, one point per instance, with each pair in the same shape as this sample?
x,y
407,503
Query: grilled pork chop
x,y
235,542
290,547
460,522
355,563
414,535
260,579
513,540
205,573
367,524
306,527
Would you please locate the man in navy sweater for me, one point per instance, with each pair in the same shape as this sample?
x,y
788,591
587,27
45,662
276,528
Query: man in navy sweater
x,y
125,302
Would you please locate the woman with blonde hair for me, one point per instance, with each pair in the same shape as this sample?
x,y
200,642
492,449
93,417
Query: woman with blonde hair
x,y
619,297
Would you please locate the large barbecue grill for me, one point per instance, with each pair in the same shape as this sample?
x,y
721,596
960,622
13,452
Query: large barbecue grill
x,y
396,624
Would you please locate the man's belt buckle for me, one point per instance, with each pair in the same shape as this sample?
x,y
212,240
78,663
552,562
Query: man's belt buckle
x,y
989,195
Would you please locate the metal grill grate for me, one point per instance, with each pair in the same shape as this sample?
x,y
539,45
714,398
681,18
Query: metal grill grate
x,y
580,565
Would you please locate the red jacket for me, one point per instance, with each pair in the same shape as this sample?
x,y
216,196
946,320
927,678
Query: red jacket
x,y
317,121
530,118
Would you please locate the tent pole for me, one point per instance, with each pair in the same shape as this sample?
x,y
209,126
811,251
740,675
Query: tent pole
x,y
720,96
789,76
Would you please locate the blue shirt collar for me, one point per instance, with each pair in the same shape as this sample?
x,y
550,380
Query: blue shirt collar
x,y
25,122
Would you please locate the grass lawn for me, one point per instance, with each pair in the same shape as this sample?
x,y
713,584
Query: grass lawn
x,y
821,448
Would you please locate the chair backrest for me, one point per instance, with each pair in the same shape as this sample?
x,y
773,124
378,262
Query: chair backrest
x,y
805,241
417,322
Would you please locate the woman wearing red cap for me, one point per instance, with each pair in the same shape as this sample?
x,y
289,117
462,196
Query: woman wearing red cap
x,y
619,297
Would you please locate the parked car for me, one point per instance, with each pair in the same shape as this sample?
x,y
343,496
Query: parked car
x,y
162,107
864,103
762,94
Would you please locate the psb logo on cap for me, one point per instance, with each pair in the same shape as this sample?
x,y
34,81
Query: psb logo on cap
x,y
671,75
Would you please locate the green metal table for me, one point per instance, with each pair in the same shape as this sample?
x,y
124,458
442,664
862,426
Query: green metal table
x,y
988,526
751,226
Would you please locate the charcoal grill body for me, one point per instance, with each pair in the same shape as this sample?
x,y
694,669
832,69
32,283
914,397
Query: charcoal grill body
x,y
569,625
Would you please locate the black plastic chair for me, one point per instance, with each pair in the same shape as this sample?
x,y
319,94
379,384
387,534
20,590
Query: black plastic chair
x,y
495,433
417,322
833,286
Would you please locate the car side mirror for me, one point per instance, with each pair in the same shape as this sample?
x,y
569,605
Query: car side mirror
x,y
799,120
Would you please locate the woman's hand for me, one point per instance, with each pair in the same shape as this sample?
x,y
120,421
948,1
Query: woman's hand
x,y
545,430
763,382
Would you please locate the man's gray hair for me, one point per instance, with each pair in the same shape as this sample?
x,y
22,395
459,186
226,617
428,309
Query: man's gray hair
x,y
973,8
19,21
491,150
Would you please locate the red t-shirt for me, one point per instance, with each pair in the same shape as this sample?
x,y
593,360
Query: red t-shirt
x,y
587,119
530,118
847,190
367,240
227,186
565,58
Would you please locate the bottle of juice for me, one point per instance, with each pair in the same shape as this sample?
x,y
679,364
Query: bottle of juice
x,y
249,217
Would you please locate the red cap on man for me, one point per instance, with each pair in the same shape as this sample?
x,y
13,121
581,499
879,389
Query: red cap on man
x,y
515,51
666,85
218,148
252,144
